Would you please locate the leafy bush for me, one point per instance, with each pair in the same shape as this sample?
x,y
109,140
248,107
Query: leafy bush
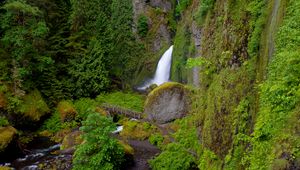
x,y
125,100
84,107
98,149
3,121
53,124
34,106
175,157
142,26
156,139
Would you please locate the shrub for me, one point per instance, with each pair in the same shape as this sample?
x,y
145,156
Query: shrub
x,y
142,26
156,139
53,124
3,121
98,148
33,106
84,106
175,157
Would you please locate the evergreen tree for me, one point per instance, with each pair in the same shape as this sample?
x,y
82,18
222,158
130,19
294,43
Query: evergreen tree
x,y
24,32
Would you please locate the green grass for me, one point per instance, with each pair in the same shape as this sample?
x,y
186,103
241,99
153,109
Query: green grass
x,y
122,99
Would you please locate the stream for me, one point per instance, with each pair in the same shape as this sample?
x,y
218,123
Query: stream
x,y
41,156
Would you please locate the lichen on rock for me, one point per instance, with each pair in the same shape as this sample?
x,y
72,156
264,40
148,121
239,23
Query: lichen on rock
x,y
167,102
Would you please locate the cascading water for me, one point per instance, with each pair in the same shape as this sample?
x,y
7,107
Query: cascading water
x,y
162,73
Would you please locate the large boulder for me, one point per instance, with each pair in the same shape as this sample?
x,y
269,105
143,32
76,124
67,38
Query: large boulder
x,y
167,102
7,135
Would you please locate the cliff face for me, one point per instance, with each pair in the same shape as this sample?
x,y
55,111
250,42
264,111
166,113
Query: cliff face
x,y
159,31
236,44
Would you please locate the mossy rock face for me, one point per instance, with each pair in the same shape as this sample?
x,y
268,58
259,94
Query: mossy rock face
x,y
167,102
71,140
66,110
7,135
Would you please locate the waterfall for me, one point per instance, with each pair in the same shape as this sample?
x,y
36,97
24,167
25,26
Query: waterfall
x,y
162,73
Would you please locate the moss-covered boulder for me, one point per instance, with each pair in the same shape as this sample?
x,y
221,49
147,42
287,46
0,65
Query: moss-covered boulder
x,y
66,110
137,130
71,140
167,102
5,168
7,135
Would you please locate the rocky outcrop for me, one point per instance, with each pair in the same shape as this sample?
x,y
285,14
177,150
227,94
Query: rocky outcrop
x,y
167,102
156,12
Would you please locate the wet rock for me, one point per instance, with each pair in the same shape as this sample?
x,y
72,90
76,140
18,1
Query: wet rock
x,y
167,102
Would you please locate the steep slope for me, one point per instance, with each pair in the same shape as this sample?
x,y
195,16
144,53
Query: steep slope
x,y
248,84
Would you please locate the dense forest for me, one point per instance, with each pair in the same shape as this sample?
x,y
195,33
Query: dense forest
x,y
71,72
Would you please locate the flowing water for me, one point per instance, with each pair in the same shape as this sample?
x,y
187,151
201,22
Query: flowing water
x,y
42,157
162,73
272,28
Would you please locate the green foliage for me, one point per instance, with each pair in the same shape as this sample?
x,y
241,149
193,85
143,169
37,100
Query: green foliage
x,y
180,54
274,132
156,139
84,106
53,124
204,8
90,74
142,26
99,150
258,13
24,31
137,130
183,153
182,5
209,161
3,121
33,106
175,157
126,100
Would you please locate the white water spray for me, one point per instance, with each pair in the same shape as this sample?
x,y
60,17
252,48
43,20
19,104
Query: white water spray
x,y
162,73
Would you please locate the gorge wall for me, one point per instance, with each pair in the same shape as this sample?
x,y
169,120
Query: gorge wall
x,y
237,47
